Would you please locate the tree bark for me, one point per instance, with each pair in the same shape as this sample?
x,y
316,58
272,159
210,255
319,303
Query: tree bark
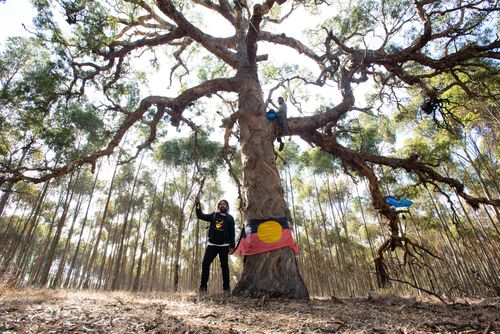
x,y
272,273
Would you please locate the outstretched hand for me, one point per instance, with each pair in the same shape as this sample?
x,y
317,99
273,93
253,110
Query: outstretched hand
x,y
197,200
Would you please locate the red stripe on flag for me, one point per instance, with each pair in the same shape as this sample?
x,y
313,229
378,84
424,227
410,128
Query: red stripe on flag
x,y
251,245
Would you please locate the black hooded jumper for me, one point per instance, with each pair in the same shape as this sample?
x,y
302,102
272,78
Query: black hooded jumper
x,y
220,240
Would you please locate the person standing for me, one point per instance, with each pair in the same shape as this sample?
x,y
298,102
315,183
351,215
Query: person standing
x,y
220,242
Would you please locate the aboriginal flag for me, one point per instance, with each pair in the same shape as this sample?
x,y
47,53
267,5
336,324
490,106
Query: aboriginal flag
x,y
263,235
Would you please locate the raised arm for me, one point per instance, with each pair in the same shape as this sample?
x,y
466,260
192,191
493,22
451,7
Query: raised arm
x,y
199,213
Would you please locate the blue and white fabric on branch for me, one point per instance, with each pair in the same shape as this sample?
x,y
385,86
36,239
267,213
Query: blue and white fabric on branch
x,y
399,203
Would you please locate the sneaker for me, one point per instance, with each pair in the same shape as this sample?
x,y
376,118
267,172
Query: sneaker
x,y
227,293
202,292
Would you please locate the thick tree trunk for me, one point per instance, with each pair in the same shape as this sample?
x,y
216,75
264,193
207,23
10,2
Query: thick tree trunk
x,y
272,273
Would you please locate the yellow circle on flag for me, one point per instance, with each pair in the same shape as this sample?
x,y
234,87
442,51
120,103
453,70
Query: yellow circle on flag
x,y
269,231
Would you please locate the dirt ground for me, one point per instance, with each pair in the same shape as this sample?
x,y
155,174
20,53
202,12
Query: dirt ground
x,y
62,311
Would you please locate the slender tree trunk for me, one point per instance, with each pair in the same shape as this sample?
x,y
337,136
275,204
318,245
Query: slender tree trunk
x,y
7,190
95,250
459,267
368,237
313,258
130,276
178,244
108,262
152,263
62,262
183,193
481,181
294,223
37,270
157,241
196,255
166,243
339,245
84,222
83,261
102,265
171,266
352,281
11,227
128,260
55,241
115,283
135,286
9,222
31,222
486,164
324,241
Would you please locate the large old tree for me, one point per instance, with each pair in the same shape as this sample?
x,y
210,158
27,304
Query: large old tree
x,y
416,51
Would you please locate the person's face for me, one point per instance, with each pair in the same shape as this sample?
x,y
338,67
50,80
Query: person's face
x,y
222,206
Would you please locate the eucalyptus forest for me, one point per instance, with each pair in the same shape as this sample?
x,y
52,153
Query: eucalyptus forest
x,y
114,115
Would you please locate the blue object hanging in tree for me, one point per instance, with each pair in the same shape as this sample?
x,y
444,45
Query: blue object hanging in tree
x,y
271,115
399,203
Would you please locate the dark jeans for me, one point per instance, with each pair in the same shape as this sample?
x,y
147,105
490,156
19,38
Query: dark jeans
x,y
282,128
210,254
